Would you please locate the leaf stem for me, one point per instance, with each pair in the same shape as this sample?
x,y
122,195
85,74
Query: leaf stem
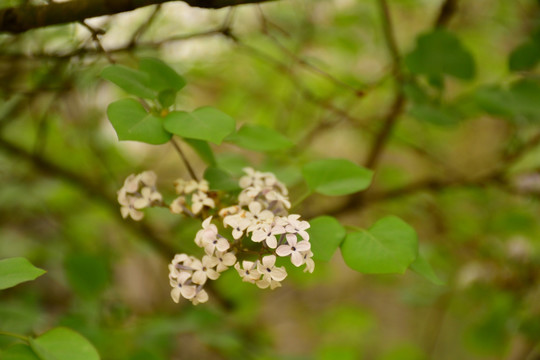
x,y
302,197
184,159
17,336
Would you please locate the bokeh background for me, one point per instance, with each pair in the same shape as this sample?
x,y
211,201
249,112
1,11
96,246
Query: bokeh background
x,y
460,165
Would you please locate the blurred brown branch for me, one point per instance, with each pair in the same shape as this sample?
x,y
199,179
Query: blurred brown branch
x,y
92,189
26,17
398,104
448,10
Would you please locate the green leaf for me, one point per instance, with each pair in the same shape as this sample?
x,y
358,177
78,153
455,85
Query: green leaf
x,y
336,177
259,138
325,236
524,57
205,123
14,271
441,53
203,149
494,100
132,122
526,97
63,343
162,76
389,246
219,179
131,81
167,98
18,352
422,267
87,274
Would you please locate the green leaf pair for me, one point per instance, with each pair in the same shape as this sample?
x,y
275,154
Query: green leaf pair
x,y
153,80
57,344
389,246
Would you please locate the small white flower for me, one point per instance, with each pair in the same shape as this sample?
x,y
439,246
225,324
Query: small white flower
x,y
187,291
207,234
275,196
266,282
131,184
148,178
253,178
248,272
238,222
190,186
201,297
224,260
178,206
267,233
149,196
130,211
219,244
257,213
199,200
307,258
294,248
204,270
268,269
295,226
231,210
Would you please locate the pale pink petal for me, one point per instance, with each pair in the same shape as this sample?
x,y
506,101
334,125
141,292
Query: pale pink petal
x,y
175,294
278,274
291,239
297,259
188,291
222,245
284,250
269,261
304,234
303,246
196,207
212,274
271,241
199,277
254,207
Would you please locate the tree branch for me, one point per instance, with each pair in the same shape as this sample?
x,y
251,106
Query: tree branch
x,y
20,19
448,9
399,101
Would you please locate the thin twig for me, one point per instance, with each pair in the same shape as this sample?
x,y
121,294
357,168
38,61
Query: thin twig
x,y
144,26
184,159
95,33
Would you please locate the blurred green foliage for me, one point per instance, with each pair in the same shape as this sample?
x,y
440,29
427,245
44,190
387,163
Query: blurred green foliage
x,y
307,80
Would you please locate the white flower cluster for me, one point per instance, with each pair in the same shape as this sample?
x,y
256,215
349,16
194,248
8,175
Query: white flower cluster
x,y
139,191
261,231
187,274
199,196
261,218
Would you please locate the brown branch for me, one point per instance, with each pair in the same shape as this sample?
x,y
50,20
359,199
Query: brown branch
x,y
88,51
92,189
184,159
20,19
448,9
399,101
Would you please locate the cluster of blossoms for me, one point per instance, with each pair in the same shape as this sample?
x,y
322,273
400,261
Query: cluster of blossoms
x,y
260,228
139,191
